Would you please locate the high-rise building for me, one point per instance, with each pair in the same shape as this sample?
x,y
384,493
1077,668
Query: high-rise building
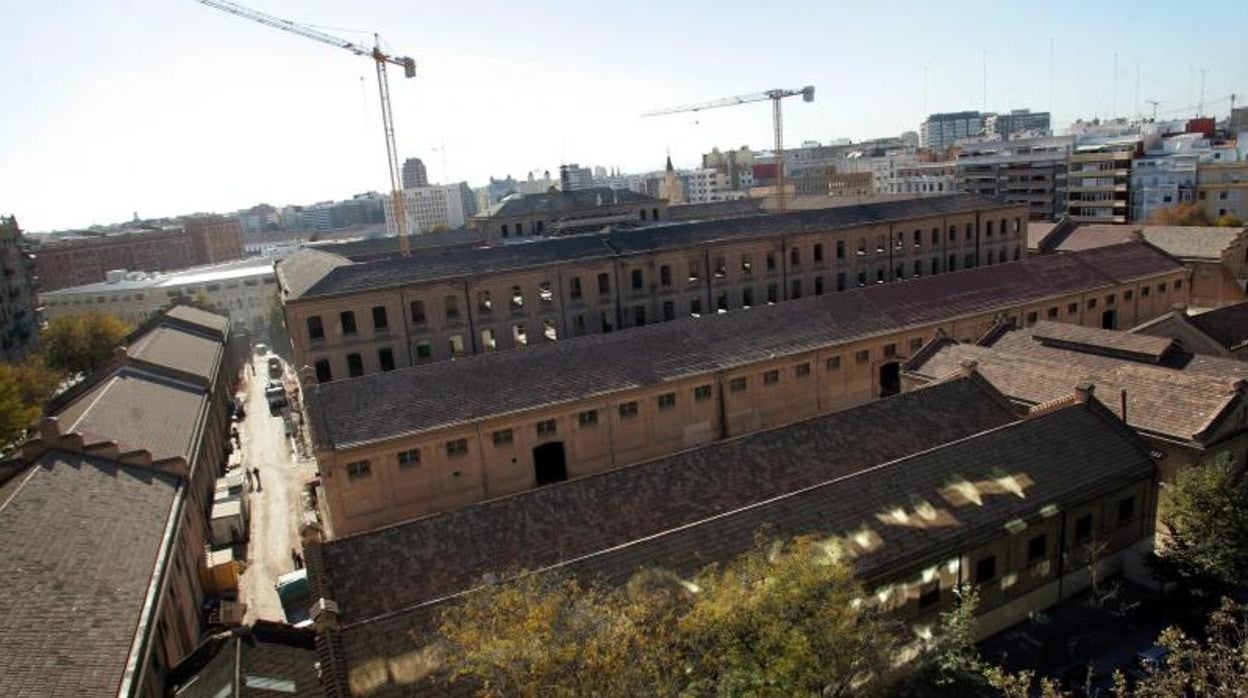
x,y
941,131
1018,121
437,207
573,177
1028,171
18,307
1099,180
414,174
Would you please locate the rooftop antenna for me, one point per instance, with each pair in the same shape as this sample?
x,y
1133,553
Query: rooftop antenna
x,y
1113,112
1154,103
1137,88
984,58
1050,76
1200,106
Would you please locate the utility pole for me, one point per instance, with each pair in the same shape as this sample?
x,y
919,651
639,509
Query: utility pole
x,y
1154,103
1200,108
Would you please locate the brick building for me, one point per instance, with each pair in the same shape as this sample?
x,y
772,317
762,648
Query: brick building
x,y
104,516
1218,332
87,259
432,438
19,306
349,319
921,491
564,212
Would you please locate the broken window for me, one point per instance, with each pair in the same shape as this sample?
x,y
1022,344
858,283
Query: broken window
x,y
518,334
517,298
484,303
549,331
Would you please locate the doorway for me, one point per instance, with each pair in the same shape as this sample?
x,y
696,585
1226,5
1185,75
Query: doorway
x,y
549,463
890,378
1109,320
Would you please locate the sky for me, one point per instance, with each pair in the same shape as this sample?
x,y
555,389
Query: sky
x,y
164,107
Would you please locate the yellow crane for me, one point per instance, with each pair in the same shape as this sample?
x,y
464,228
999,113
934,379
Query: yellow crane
x,y
380,58
807,94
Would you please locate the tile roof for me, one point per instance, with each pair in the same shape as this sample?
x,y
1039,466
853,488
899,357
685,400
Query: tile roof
x,y
1184,242
1228,325
914,511
319,276
139,410
202,318
561,202
1181,400
1136,347
267,659
383,247
715,209
178,349
447,552
410,400
81,537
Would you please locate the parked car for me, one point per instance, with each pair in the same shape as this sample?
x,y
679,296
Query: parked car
x,y
275,367
275,393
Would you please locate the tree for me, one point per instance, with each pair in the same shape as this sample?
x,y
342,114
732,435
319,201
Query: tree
x,y
781,620
24,389
1180,214
1227,220
1205,548
81,343
1216,667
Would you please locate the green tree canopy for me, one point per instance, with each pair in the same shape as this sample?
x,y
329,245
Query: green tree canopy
x,y
25,388
1180,214
81,343
1226,220
1204,546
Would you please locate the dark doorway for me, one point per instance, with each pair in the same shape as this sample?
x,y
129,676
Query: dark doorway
x,y
1109,320
549,463
890,378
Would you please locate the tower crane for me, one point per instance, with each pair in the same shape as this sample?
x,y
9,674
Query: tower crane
x,y
808,95
380,58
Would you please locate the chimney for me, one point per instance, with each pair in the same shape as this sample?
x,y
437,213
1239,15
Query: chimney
x,y
1085,391
324,615
1124,405
969,367
1137,235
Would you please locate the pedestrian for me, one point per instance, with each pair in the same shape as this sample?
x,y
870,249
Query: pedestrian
x,y
256,473
298,560
247,477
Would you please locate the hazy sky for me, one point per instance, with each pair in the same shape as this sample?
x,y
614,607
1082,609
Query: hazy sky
x,y
167,106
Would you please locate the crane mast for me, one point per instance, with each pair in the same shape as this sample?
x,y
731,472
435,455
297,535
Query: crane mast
x,y
807,94
380,58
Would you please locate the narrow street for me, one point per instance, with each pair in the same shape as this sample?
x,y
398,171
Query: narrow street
x,y
277,505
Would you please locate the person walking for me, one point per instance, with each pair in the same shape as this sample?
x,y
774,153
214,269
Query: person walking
x,y
256,473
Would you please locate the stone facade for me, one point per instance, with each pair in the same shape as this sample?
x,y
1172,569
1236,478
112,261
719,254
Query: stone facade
x,y
19,307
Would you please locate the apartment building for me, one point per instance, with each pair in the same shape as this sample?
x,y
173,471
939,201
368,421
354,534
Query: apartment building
x,y
105,517
942,131
1029,171
19,307
1098,181
566,212
1038,505
347,319
414,174
214,239
432,438
434,208
1191,409
1222,189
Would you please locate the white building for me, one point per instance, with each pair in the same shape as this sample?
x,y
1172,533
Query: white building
x,y
573,177
706,185
246,289
427,208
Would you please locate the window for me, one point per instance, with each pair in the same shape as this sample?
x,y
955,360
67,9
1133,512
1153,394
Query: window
x,y
918,268
916,344
833,363
918,238
862,356
721,269
1083,528
669,311
771,261
695,272
1072,308
695,306
840,249
517,298
409,458
347,318
380,321
418,312
665,275
986,568
1144,291
747,297
1037,548
1052,313
1110,299
604,284
818,252
456,343
544,294
1178,284
667,401
457,448
702,392
1091,304
578,325
358,470
547,427
385,358
935,236
451,304
1161,287
587,418
323,374
315,329
747,265
736,385
771,377
519,229
638,279
519,335
1126,509
502,437
1032,318
772,293
988,229
929,595
488,341
628,410
1128,295
355,365
639,316
795,289
424,350
890,350
801,370
795,257
862,246
574,288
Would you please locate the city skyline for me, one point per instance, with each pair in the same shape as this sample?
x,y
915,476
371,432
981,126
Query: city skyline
x,y
175,107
